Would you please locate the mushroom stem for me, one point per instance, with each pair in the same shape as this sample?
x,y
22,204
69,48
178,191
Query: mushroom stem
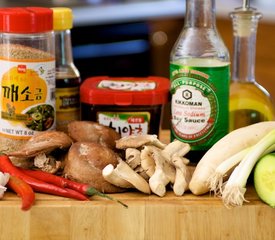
x,y
173,153
132,157
132,177
158,182
181,180
111,175
147,160
125,172
176,148
164,173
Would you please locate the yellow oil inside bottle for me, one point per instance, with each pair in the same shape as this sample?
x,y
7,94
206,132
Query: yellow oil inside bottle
x,y
249,103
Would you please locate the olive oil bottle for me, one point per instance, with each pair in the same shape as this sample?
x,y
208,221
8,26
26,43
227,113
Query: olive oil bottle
x,y
249,101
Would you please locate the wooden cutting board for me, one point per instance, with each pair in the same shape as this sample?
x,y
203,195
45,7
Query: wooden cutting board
x,y
147,217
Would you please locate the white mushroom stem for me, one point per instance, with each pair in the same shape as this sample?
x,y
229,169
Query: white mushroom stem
x,y
158,182
132,177
132,157
141,172
182,179
147,160
176,148
173,153
124,171
111,175
164,173
156,142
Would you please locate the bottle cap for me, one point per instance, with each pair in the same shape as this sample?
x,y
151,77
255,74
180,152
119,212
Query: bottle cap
x,y
26,20
62,18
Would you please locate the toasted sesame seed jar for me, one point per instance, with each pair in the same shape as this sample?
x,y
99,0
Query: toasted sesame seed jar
x,y
27,74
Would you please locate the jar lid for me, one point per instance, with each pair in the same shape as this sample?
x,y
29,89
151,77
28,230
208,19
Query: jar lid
x,y
62,18
125,91
26,20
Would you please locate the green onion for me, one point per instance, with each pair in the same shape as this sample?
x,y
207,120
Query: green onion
x,y
215,181
235,188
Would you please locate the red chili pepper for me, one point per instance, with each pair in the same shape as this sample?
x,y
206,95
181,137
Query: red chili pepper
x,y
66,183
24,190
61,181
38,185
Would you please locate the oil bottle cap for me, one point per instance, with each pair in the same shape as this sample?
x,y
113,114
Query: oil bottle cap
x,y
26,20
62,18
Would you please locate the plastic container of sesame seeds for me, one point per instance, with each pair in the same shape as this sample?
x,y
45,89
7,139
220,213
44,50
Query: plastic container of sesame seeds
x,y
27,74
130,105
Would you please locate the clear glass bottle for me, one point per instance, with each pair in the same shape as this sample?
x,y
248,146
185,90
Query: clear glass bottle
x,y
67,76
200,75
249,101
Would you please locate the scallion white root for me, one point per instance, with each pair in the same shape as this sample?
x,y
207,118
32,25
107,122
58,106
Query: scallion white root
x,y
235,187
232,194
215,181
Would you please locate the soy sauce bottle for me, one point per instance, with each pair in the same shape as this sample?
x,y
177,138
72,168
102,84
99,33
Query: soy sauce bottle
x,y
67,75
200,75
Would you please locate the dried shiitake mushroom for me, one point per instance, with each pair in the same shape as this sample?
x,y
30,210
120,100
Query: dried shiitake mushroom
x,y
85,162
38,149
88,131
43,142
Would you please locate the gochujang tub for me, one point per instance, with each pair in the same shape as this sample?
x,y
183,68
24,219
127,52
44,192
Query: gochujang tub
x,y
130,105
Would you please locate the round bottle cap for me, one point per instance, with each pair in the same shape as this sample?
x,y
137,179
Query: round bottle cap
x,y
62,18
26,20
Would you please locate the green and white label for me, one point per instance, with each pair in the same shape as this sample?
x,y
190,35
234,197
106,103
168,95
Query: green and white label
x,y
126,123
199,104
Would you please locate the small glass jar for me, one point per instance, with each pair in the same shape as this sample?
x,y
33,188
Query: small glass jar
x,y
27,74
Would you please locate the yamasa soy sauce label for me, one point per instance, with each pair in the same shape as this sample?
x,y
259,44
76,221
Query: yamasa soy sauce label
x,y
28,101
199,104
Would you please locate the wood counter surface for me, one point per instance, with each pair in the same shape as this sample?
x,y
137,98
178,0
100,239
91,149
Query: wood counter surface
x,y
147,218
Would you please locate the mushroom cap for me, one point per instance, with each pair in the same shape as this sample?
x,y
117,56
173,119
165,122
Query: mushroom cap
x,y
137,141
86,160
88,131
43,142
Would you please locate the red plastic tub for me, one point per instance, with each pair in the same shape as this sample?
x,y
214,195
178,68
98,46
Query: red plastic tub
x,y
129,105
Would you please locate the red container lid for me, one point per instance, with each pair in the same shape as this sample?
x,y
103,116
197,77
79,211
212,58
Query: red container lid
x,y
125,91
26,20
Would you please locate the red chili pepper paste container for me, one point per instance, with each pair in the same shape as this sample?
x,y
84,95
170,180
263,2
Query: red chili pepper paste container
x,y
130,105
